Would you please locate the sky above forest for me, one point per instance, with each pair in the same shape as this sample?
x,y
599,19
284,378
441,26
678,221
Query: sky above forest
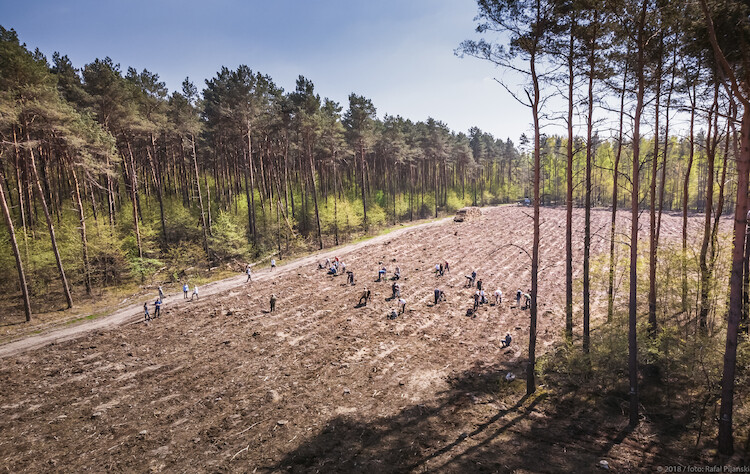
x,y
398,53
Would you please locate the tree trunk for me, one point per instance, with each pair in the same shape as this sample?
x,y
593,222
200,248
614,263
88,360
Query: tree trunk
x,y
652,208
705,270
251,206
722,183
58,259
335,206
134,199
685,196
20,186
84,240
726,439
411,192
569,196
435,169
364,198
587,205
615,176
16,251
746,287
157,183
315,193
531,367
110,199
633,299
200,195
665,148
209,223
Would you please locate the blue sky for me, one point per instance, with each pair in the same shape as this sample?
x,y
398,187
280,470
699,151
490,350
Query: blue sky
x,y
397,53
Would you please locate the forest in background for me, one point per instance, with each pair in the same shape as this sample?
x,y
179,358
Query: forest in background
x,y
108,178
136,179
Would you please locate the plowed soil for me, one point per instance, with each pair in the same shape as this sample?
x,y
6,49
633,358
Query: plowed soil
x,y
320,385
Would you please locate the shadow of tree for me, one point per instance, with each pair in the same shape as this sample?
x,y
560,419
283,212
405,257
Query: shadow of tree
x,y
410,439
467,428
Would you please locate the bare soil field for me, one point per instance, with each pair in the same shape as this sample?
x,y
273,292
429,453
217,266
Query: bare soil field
x,y
319,385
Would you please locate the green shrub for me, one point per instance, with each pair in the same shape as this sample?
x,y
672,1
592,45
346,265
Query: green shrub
x,y
227,240
181,224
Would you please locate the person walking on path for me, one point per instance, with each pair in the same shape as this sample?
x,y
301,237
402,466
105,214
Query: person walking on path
x,y
146,316
195,293
273,263
161,295
185,289
249,274
402,305
157,308
273,302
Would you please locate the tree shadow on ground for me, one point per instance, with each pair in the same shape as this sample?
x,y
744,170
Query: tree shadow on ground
x,y
468,428
413,437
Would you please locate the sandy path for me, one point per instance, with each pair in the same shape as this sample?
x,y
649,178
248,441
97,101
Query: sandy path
x,y
134,313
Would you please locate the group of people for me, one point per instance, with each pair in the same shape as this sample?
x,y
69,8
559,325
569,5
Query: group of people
x,y
526,299
160,299
157,306
337,267
186,290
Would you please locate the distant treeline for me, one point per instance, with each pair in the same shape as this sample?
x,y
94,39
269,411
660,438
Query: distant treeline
x,y
107,176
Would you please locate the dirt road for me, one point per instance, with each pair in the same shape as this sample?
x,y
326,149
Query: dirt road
x,y
134,313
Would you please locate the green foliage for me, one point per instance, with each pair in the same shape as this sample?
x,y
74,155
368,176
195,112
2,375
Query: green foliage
x,y
144,267
376,215
184,254
349,212
227,240
454,203
381,198
182,224
108,259
402,206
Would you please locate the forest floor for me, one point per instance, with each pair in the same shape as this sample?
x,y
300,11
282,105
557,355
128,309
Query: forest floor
x,y
320,385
